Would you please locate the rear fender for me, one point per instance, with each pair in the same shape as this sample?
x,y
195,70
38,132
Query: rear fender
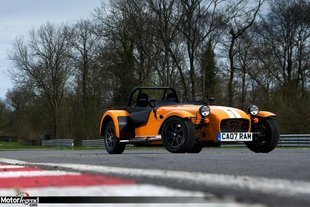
x,y
112,115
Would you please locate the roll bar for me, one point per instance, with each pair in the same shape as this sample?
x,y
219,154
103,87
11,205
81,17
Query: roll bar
x,y
150,88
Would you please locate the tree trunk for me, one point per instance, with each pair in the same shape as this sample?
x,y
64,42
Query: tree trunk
x,y
243,92
232,71
55,120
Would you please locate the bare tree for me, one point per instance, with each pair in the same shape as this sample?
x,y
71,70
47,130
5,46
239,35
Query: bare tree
x,y
44,61
165,18
199,20
243,17
286,34
115,29
85,47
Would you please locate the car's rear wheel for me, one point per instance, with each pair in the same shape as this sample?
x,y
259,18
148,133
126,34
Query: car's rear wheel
x,y
195,149
178,135
266,137
112,143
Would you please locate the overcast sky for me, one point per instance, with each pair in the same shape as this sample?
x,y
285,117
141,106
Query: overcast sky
x,y
18,17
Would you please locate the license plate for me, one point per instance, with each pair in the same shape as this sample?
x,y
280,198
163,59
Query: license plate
x,y
235,136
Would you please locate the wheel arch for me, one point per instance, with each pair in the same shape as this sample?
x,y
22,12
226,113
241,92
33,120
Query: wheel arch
x,y
111,115
103,124
180,114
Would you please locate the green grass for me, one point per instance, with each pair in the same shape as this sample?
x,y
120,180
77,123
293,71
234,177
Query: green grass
x,y
19,146
16,146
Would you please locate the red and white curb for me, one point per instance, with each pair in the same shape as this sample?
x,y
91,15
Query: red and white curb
x,y
19,176
39,182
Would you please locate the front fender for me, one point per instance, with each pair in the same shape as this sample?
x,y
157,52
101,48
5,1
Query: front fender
x,y
182,114
178,113
112,115
266,114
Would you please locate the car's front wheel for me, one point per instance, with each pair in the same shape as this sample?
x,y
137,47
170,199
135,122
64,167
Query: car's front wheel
x,y
195,149
266,136
112,143
178,135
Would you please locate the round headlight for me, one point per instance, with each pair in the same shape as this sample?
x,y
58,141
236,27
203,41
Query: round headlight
x,y
204,111
253,110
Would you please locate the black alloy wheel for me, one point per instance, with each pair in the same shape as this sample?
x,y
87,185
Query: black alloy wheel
x,y
178,135
195,149
112,143
266,136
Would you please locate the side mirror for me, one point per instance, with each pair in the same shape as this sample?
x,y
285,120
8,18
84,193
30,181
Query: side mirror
x,y
211,100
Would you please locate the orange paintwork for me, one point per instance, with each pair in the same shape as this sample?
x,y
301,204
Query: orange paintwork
x,y
219,113
152,128
266,114
209,131
113,114
256,120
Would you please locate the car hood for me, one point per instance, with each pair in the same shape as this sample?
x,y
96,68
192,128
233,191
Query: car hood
x,y
224,112
221,112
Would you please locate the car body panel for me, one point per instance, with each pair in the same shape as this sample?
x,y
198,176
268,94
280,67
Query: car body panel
x,y
266,114
112,114
154,115
153,126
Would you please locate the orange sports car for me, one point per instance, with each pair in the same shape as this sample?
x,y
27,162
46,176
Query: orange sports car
x,y
155,115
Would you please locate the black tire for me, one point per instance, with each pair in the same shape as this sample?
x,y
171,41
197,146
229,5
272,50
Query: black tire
x,y
195,149
178,135
112,144
267,138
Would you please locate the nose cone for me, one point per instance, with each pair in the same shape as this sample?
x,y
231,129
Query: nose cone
x,y
223,112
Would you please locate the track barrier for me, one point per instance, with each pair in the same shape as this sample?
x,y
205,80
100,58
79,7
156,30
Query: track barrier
x,y
58,143
286,140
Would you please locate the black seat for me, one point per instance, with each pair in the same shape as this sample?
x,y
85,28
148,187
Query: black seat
x,y
142,100
172,97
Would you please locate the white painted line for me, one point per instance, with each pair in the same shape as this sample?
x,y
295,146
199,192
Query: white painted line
x,y
119,190
265,185
258,184
13,162
212,204
100,190
125,190
11,166
12,174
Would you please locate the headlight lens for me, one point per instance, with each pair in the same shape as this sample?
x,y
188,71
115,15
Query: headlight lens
x,y
253,110
204,111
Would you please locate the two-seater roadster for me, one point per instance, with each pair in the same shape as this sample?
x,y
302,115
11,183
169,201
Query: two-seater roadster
x,y
154,115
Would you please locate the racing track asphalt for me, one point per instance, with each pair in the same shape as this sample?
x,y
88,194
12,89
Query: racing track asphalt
x,y
290,164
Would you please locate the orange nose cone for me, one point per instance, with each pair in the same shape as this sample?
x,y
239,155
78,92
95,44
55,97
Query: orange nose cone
x,y
255,120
